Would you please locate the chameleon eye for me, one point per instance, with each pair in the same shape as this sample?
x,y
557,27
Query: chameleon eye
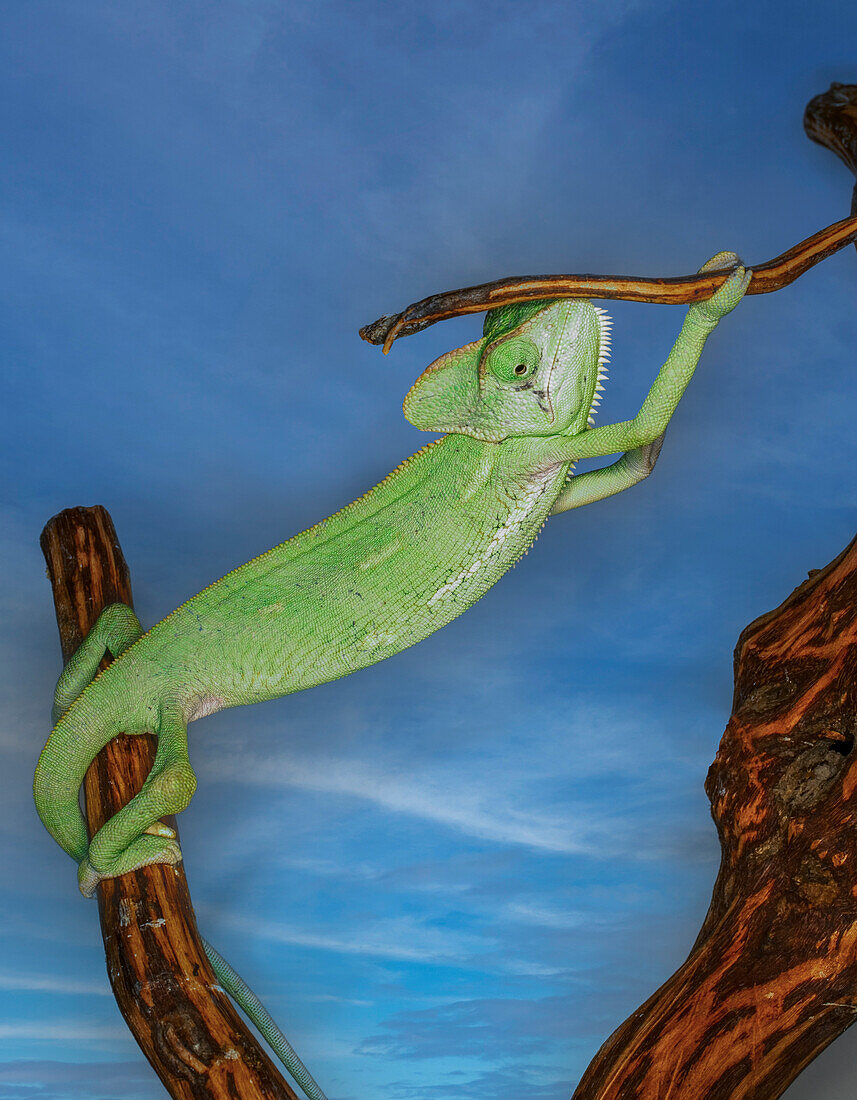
x,y
513,360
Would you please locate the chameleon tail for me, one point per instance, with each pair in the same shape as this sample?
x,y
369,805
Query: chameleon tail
x,y
244,996
74,742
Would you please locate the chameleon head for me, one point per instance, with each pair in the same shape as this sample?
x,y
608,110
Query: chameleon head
x,y
538,370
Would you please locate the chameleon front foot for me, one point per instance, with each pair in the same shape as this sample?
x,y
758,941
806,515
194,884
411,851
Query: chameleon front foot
x,y
725,299
143,852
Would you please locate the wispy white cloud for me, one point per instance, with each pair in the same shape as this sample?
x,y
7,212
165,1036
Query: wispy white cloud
x,y
50,983
536,1082
544,916
51,1079
324,998
65,1030
496,949
481,811
400,938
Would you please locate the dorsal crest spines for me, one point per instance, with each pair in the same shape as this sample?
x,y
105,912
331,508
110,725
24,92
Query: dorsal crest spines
x,y
605,326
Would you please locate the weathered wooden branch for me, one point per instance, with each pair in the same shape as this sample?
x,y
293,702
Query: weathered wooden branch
x,y
831,120
772,977
772,275
183,1022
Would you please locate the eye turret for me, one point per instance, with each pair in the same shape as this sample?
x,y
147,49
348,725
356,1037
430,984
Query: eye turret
x,y
513,360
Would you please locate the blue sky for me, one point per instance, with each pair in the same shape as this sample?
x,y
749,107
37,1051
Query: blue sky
x,y
451,875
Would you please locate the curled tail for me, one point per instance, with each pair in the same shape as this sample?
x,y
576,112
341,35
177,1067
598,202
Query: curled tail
x,y
81,733
85,722
59,774
76,739
244,996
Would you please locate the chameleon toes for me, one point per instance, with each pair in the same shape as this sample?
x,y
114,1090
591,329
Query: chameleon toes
x,y
727,296
142,852
721,262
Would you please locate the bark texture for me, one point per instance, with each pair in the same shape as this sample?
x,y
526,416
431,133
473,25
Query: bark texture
x,y
831,120
772,977
767,277
184,1024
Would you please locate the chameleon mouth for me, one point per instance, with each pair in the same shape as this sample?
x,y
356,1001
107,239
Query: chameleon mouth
x,y
605,325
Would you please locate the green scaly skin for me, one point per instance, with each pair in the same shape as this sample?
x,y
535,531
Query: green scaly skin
x,y
376,577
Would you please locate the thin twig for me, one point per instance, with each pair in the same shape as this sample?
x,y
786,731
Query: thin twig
x,y
769,276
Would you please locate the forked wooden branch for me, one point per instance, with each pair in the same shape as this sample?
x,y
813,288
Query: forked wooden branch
x,y
183,1022
772,977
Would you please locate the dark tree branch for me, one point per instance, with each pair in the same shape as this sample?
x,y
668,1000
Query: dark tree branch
x,y
831,120
769,276
184,1024
772,977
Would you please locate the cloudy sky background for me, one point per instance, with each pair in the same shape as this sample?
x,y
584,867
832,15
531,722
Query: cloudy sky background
x,y
452,875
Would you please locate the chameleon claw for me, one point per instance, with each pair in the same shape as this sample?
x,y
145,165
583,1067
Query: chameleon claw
x,y
158,828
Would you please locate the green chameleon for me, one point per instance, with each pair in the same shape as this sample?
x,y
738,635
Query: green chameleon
x,y
383,573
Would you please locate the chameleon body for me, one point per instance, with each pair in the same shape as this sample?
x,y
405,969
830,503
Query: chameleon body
x,y
517,409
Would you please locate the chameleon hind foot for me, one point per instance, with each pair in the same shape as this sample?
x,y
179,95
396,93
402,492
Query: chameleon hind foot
x,y
115,629
143,852
135,836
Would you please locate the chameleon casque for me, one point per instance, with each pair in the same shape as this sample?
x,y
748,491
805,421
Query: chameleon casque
x,y
381,574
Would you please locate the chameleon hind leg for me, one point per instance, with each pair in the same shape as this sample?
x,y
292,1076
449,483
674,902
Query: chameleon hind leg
x,y
134,837
115,629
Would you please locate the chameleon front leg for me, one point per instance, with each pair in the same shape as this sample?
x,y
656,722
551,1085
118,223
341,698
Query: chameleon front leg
x,y
672,380
632,468
134,837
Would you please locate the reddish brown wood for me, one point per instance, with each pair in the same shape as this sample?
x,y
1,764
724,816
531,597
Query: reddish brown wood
x,y
161,978
772,978
831,120
771,275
